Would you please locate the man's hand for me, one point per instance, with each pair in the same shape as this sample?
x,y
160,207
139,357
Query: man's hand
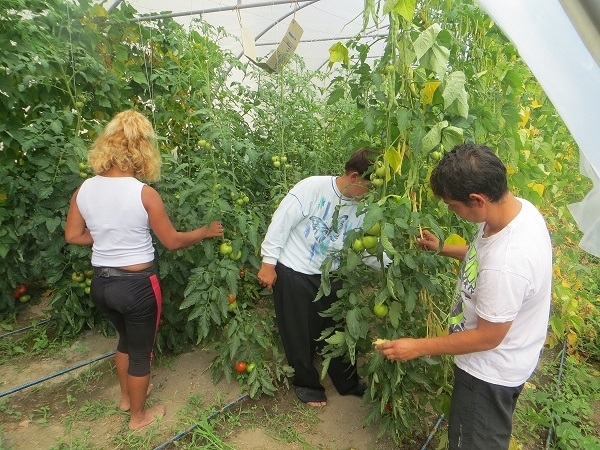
x,y
214,229
267,275
400,349
428,241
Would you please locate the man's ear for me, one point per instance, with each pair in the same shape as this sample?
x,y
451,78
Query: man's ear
x,y
354,177
478,199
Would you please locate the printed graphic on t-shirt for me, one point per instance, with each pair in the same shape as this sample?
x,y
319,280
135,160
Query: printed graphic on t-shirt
x,y
324,230
464,289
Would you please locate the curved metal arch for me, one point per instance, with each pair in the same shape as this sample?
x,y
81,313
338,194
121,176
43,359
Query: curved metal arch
x,y
262,33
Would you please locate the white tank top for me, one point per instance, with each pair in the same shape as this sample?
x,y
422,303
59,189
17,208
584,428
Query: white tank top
x,y
113,211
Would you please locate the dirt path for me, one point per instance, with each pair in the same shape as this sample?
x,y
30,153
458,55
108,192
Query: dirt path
x,y
78,409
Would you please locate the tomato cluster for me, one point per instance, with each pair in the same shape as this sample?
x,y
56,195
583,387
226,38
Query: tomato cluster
x,y
83,279
242,366
20,294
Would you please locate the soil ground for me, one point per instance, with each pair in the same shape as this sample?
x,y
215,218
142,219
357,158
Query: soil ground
x,y
78,409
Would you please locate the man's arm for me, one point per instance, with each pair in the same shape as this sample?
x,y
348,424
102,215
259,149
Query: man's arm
x,y
486,336
287,215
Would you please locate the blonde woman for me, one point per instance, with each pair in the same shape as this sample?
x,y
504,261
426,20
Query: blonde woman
x,y
114,212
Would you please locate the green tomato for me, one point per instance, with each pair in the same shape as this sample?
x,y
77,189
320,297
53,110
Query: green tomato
x,y
375,230
380,171
436,156
370,241
250,367
24,298
82,166
240,201
358,245
87,290
283,159
377,182
232,306
202,143
225,248
276,163
78,277
82,174
380,310
235,256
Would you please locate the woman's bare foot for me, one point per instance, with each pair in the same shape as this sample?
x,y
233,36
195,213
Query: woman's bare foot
x,y
124,403
317,404
148,416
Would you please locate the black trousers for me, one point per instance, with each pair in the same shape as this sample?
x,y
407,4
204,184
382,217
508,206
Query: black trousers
x,y
133,304
480,413
300,325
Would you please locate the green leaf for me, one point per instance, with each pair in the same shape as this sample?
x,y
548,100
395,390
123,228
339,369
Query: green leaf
x,y
336,339
426,40
455,94
352,323
406,8
338,53
140,78
354,260
433,136
452,136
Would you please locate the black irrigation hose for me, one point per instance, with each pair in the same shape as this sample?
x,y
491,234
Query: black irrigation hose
x,y
32,383
25,328
183,433
560,374
435,428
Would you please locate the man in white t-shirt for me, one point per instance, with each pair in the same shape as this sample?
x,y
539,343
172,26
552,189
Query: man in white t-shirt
x,y
310,224
499,322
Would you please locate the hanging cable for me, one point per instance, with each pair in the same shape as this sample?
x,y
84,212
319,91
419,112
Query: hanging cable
x,y
26,328
214,414
33,383
435,428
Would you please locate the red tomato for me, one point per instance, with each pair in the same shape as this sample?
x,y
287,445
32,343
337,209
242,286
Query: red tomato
x,y
230,298
240,367
20,291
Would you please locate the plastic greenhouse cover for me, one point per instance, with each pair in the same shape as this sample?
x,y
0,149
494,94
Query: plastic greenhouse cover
x,y
551,47
324,22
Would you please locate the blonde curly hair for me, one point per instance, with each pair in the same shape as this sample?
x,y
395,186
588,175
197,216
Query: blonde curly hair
x,y
127,142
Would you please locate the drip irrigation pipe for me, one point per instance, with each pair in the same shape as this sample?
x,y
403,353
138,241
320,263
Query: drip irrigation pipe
x,y
25,328
217,412
560,374
435,428
32,383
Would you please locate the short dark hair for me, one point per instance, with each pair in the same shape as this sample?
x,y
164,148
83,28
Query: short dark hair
x,y
360,161
469,169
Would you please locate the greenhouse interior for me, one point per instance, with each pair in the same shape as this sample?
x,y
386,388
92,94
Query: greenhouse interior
x,y
271,253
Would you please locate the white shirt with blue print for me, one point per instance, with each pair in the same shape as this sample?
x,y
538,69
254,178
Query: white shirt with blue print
x,y
302,232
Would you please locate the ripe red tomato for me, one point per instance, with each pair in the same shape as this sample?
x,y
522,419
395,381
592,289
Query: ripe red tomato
x,y
240,367
20,291
230,298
